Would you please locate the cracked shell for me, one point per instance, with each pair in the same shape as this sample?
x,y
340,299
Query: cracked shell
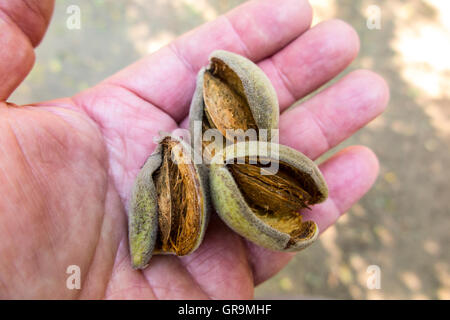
x,y
169,205
232,93
264,207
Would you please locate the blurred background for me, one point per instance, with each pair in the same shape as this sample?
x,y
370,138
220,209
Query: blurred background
x,y
402,224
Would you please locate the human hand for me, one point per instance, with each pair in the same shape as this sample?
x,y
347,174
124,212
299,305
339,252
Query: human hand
x,y
67,165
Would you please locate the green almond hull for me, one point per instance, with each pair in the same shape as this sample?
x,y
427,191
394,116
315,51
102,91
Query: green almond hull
x,y
143,210
143,214
260,94
231,206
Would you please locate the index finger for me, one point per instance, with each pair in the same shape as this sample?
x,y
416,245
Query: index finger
x,y
256,29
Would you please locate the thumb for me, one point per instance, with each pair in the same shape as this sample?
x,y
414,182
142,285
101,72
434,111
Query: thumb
x,y
22,26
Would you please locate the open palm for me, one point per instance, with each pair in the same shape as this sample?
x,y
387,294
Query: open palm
x,y
67,165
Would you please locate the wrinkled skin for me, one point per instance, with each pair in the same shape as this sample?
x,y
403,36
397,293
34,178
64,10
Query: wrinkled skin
x,y
67,165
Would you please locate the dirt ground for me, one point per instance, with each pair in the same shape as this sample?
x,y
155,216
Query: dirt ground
x,y
402,224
